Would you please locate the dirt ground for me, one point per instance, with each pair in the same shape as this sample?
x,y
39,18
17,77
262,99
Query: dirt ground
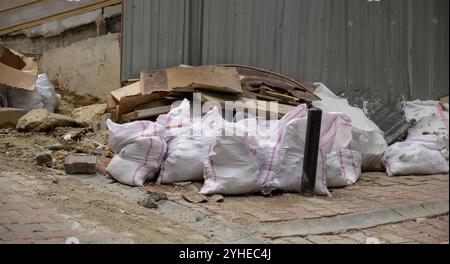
x,y
70,195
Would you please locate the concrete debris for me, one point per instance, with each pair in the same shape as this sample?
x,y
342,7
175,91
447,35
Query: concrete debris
x,y
216,198
44,159
87,115
56,146
40,120
156,196
148,202
151,199
80,164
73,135
10,116
195,198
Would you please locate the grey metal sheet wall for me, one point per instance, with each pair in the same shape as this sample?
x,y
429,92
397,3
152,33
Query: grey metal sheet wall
x,y
394,48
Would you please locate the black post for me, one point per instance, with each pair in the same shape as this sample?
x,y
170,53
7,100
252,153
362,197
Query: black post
x,y
311,151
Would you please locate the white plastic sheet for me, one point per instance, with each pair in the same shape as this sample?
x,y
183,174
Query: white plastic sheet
x,y
42,97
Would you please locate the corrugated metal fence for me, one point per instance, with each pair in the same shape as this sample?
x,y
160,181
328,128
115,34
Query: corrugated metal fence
x,y
394,48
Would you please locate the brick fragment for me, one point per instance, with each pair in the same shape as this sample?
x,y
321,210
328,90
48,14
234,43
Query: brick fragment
x,y
80,164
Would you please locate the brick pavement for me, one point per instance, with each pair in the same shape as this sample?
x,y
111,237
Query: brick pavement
x,y
24,219
420,231
373,192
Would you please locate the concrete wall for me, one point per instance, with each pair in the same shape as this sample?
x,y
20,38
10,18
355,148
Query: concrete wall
x,y
90,66
84,59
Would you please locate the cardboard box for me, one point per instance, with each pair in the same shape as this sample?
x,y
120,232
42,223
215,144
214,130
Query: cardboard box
x,y
16,70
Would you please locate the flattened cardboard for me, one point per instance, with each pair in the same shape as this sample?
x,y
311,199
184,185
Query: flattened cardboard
x,y
16,70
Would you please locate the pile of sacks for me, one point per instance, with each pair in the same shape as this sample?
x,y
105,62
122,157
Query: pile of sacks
x,y
425,150
248,155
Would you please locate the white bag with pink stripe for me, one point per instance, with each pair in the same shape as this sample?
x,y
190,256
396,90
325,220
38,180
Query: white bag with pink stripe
x,y
139,161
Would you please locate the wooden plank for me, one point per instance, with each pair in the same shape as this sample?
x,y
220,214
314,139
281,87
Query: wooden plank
x,y
130,90
219,79
46,11
111,102
283,97
128,104
145,113
186,79
220,99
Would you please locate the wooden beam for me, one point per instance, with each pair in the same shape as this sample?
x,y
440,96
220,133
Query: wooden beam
x,y
63,13
146,113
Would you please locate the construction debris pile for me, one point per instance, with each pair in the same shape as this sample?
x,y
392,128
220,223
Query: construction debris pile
x,y
238,129
153,94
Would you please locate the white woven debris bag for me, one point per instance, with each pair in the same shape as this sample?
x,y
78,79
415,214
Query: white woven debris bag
x,y
177,121
373,146
283,168
42,97
139,161
232,167
185,158
417,156
282,154
187,152
120,135
343,167
429,117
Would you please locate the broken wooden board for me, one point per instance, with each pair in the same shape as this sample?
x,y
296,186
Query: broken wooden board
x,y
280,96
186,79
129,90
251,104
130,103
111,102
145,113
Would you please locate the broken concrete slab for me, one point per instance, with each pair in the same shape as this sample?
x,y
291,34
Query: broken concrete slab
x,y
80,164
41,120
10,116
87,115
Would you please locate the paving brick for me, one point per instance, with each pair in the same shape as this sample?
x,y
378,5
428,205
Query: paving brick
x,y
80,164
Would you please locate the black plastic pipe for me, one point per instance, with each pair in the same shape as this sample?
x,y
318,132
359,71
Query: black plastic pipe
x,y
311,151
